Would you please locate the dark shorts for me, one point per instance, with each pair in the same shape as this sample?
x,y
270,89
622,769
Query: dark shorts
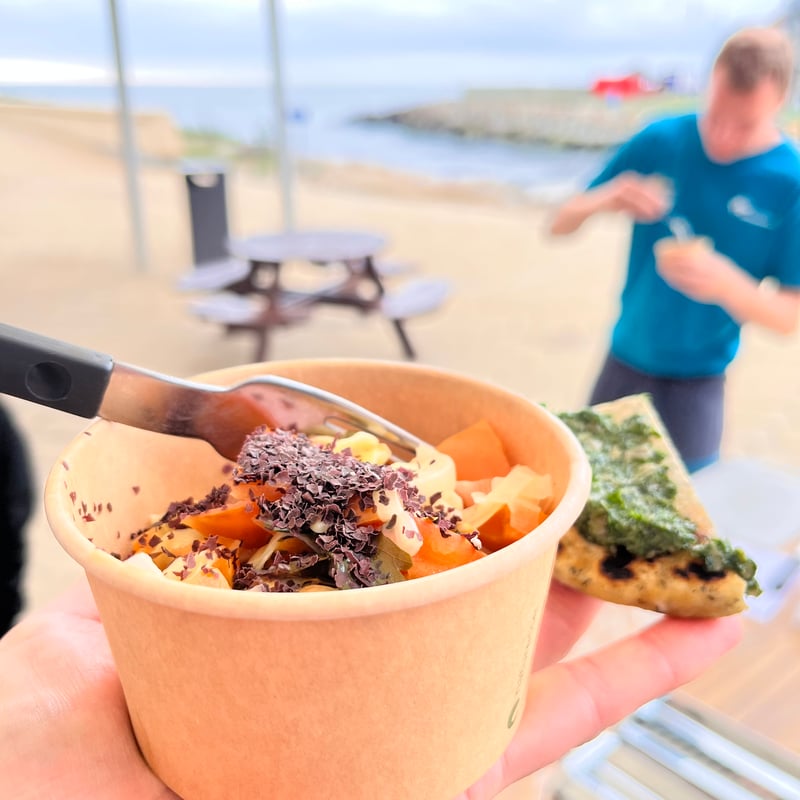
x,y
692,408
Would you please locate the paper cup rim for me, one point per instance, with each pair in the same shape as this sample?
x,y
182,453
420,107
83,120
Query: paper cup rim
x,y
366,601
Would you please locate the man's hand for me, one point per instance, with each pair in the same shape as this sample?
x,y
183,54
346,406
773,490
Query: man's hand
x,y
695,269
646,198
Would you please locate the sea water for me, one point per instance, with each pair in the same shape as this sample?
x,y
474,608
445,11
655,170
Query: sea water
x,y
322,123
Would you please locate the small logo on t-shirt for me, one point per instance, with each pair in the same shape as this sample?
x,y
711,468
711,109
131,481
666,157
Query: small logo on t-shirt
x,y
743,208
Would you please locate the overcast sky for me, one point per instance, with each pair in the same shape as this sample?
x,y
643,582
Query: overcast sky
x,y
470,42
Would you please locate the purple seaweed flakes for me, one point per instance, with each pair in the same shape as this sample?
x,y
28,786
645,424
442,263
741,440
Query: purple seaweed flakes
x,y
474,539
154,541
65,465
328,490
88,517
73,497
109,507
176,511
291,563
246,578
136,489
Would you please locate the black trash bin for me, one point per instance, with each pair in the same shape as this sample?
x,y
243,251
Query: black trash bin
x,y
208,211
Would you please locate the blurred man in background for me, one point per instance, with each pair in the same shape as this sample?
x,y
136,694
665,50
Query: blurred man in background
x,y
726,183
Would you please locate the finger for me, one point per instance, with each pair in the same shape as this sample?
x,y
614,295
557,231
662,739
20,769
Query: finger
x,y
567,616
649,209
648,202
570,703
671,267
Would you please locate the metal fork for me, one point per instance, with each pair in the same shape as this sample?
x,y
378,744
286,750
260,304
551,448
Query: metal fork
x,y
88,383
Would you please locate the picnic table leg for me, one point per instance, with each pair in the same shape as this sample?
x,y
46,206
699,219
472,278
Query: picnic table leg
x,y
262,343
404,340
372,273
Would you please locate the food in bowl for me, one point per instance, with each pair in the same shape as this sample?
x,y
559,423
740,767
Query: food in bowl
x,y
313,513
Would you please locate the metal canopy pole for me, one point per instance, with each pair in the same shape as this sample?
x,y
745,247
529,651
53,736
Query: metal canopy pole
x,y
129,153
279,113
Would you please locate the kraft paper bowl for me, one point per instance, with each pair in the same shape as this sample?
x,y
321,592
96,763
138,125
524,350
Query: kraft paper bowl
x,y
410,690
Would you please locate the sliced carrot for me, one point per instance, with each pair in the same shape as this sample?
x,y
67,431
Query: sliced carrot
x,y
438,552
226,567
477,451
236,521
492,521
163,544
247,491
511,509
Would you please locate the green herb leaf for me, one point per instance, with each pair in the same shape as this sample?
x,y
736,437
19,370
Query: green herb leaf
x,y
391,560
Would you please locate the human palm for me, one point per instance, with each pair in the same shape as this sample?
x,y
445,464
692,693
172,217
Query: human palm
x,y
65,731
64,727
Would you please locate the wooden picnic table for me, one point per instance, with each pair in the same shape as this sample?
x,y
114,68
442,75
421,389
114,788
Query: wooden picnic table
x,y
256,274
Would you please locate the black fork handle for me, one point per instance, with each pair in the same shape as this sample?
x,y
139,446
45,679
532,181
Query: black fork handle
x,y
51,372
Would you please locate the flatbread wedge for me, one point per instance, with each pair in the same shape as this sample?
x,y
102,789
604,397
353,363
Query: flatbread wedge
x,y
677,583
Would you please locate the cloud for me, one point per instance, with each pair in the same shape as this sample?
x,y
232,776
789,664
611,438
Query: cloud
x,y
229,37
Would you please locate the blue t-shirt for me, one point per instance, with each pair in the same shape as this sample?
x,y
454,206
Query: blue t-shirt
x,y
750,209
